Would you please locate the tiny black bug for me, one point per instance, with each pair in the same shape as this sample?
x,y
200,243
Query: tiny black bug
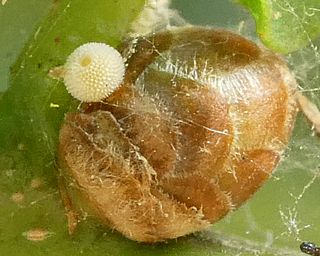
x,y
310,248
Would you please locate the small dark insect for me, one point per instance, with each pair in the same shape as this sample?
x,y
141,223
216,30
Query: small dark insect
x,y
310,248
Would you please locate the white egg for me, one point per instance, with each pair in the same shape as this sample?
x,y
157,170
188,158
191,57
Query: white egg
x,y
93,71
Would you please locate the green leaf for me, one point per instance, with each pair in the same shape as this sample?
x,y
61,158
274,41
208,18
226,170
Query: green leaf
x,y
17,21
34,105
30,115
285,25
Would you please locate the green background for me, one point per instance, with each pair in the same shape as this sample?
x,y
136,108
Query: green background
x,y
271,223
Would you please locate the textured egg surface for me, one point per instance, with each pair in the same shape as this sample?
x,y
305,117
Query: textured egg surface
x,y
198,125
93,71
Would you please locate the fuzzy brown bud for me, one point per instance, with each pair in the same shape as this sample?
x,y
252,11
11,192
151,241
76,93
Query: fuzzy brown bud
x,y
198,125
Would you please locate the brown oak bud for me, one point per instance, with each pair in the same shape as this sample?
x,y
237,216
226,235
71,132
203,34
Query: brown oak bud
x,y
198,125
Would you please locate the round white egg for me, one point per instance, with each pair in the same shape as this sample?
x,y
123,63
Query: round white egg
x,y
93,71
